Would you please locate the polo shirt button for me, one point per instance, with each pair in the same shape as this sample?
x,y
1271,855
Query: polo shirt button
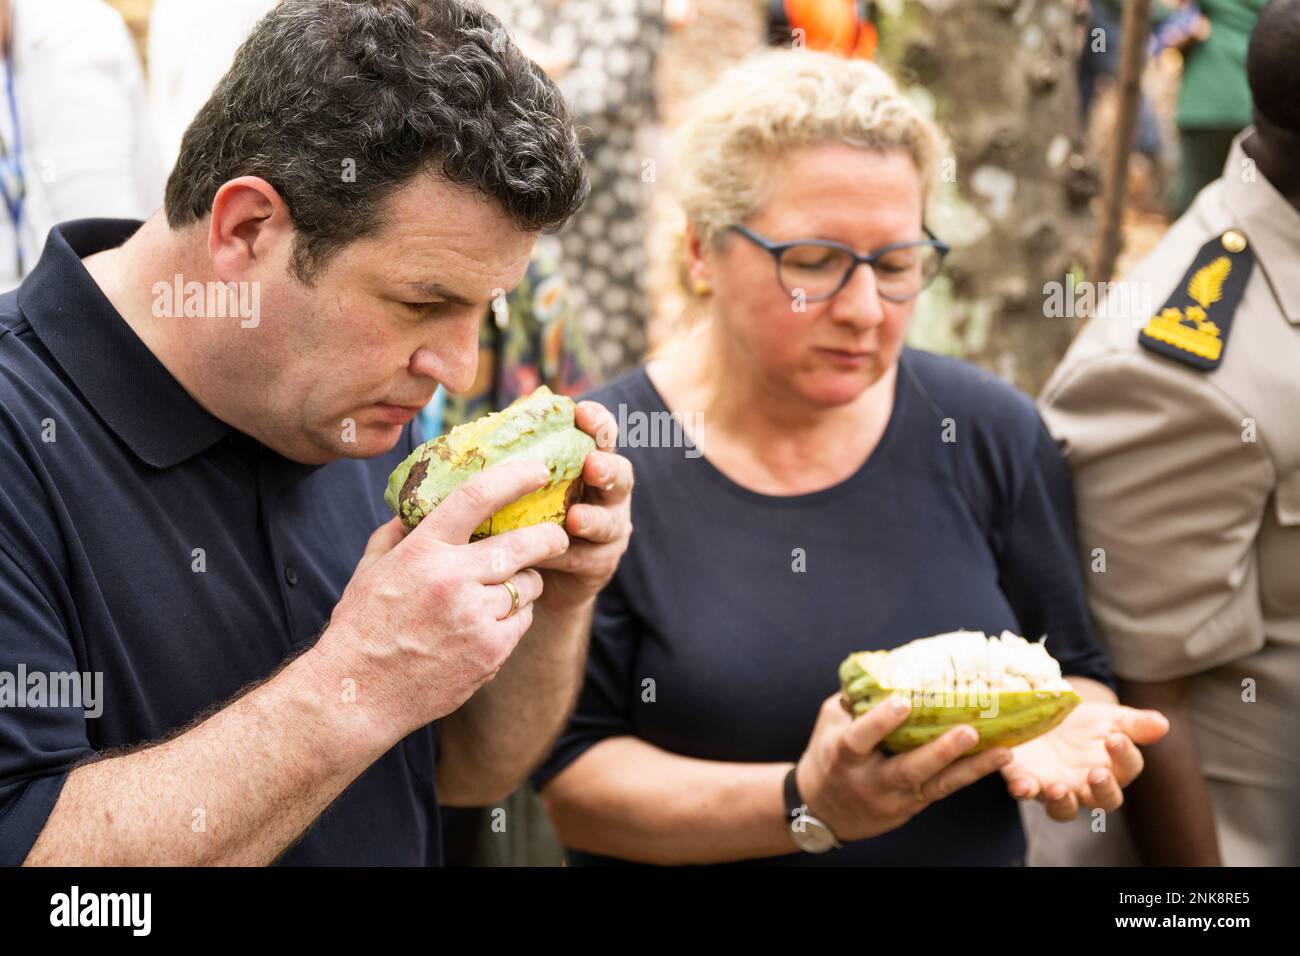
x,y
290,575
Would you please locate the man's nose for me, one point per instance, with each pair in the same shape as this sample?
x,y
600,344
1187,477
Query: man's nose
x,y
859,302
452,358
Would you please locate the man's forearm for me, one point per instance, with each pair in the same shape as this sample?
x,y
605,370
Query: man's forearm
x,y
237,789
1169,809
490,744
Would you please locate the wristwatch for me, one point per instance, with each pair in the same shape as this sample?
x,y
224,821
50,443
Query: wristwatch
x,y
809,834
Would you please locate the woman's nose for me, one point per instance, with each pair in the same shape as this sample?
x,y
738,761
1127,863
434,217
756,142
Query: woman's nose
x,y
859,302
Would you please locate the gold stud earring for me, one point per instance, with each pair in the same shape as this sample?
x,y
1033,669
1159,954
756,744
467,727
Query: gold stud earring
x,y
702,288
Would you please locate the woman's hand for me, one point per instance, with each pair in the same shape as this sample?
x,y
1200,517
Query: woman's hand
x,y
1086,761
859,791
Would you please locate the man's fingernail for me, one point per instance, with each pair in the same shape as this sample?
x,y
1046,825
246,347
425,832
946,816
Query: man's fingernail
x,y
900,705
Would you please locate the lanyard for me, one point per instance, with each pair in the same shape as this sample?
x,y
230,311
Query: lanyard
x,y
13,184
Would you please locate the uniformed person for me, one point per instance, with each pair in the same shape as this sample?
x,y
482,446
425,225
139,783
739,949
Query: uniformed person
x,y
1182,429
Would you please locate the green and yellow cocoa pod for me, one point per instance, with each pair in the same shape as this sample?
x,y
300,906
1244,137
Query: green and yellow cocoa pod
x,y
537,426
1009,689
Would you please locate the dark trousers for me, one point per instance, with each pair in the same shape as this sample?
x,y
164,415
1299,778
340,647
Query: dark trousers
x,y
1203,153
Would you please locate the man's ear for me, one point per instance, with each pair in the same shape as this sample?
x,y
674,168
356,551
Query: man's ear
x,y
250,226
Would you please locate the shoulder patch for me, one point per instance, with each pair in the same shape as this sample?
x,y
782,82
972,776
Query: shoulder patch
x,y
1192,327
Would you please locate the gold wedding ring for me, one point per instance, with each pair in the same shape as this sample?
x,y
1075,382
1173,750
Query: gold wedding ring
x,y
920,797
514,597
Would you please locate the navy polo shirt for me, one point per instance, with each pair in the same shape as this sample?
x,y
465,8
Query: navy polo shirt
x,y
153,546
740,606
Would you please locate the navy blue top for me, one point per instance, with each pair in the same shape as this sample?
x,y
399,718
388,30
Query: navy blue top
x,y
929,535
144,540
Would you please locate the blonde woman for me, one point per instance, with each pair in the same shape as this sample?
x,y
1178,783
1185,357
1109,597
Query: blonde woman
x,y
833,491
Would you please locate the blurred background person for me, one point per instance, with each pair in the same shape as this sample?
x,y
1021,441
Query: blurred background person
x,y
1186,464
75,138
1214,99
1099,61
842,27
602,54
191,44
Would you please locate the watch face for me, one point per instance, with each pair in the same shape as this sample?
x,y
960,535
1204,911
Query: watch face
x,y
810,834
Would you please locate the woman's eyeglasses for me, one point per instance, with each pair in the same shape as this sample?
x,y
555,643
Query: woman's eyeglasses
x,y
817,269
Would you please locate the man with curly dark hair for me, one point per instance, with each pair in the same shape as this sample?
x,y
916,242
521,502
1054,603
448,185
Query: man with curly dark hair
x,y
203,659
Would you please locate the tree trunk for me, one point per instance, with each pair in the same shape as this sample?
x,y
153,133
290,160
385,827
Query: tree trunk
x,y
999,77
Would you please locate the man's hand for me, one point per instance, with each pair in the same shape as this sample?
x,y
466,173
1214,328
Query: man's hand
x,y
504,730
425,620
601,524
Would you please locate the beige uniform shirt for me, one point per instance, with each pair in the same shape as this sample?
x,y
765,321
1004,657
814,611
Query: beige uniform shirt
x,y
1188,482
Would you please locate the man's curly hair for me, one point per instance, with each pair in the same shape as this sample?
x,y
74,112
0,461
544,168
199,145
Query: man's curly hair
x,y
387,88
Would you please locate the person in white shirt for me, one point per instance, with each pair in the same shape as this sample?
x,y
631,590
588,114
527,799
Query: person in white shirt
x,y
191,44
75,137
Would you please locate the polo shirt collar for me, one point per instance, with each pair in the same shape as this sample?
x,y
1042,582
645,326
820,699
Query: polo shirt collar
x,y
1271,224
119,377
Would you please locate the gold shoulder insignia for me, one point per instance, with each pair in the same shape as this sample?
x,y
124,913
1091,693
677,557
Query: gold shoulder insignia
x,y
1183,329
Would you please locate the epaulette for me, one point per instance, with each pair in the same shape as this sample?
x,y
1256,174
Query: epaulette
x,y
1193,325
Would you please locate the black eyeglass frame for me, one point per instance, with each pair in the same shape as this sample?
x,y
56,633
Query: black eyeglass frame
x,y
777,249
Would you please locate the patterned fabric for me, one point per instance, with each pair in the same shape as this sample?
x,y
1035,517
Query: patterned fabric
x,y
610,46
539,343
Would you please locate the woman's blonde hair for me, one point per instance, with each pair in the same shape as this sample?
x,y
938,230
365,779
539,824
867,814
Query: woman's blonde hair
x,y
777,101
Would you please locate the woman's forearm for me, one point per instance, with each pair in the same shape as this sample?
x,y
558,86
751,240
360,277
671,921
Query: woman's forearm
x,y
626,798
